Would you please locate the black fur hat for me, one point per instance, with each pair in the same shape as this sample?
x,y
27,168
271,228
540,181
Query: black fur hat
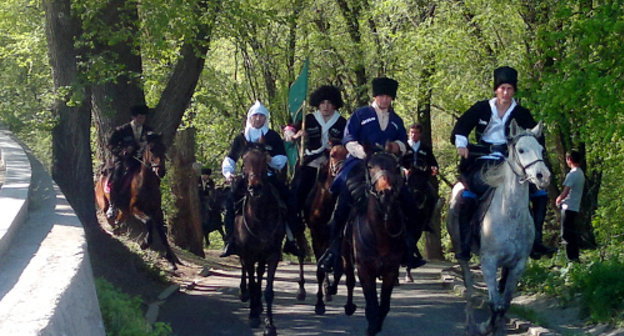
x,y
385,85
505,75
139,109
326,92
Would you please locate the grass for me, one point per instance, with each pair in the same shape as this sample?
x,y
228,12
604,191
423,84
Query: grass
x,y
123,315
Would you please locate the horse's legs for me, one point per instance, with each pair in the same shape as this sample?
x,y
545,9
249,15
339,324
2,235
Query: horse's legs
x,y
261,269
496,298
244,290
471,328
255,300
386,291
169,254
269,329
408,275
350,307
301,293
321,279
338,272
373,315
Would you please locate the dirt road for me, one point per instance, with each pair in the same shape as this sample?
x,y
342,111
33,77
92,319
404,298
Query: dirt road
x,y
212,307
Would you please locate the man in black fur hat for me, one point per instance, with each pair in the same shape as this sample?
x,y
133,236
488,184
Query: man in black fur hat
x,y
369,127
125,142
491,120
323,129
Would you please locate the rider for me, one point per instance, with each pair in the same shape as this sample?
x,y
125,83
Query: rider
x,y
323,128
257,131
369,127
420,166
491,119
124,143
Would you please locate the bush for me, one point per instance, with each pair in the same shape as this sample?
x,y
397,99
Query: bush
x,y
122,314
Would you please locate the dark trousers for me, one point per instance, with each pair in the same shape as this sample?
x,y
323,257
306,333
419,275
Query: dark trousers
x,y
570,234
302,184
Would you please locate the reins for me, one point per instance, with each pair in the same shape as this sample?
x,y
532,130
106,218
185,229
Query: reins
x,y
523,175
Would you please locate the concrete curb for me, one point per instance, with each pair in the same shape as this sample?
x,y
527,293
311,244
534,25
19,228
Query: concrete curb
x,y
46,283
454,282
14,191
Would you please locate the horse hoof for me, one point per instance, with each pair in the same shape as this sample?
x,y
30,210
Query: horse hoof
x,y
301,295
270,331
350,309
333,290
319,309
254,322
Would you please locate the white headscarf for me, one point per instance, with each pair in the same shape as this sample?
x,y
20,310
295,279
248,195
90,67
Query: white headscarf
x,y
253,134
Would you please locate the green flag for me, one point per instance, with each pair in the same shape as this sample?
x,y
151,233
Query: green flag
x,y
298,92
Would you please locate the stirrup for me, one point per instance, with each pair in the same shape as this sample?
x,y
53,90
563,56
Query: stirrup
x,y
326,262
111,213
228,250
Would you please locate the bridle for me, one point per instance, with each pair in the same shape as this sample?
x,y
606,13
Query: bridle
x,y
149,163
514,153
381,197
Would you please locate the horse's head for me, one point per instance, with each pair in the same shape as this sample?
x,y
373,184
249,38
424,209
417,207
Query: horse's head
x,y
255,162
154,154
526,155
384,172
337,156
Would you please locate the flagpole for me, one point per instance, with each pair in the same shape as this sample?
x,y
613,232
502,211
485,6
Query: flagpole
x,y
302,143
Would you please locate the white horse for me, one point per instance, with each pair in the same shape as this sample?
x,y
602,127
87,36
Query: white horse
x,y
507,230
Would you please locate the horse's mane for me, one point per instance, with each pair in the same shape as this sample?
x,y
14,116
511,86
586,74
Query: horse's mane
x,y
495,175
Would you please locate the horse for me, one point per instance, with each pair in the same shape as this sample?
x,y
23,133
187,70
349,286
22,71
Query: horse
x,y
259,231
317,213
507,231
212,205
145,201
426,198
374,241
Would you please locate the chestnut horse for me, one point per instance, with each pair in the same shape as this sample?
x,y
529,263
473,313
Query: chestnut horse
x,y
145,202
317,214
258,232
374,242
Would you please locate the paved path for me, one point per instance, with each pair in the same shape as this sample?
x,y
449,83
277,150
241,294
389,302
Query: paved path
x,y
424,308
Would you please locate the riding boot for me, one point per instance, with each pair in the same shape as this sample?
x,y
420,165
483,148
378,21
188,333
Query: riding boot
x,y
293,219
341,213
538,210
116,177
412,258
466,211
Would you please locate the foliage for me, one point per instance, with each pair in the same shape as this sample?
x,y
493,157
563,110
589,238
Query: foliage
x,y
596,284
123,315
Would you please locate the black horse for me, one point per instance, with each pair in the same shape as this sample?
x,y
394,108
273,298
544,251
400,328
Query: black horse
x,y
375,240
258,232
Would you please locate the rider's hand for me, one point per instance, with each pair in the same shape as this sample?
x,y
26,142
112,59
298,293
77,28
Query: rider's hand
x,y
463,152
230,178
393,148
434,171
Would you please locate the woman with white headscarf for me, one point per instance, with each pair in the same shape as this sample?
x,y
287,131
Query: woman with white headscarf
x,y
256,128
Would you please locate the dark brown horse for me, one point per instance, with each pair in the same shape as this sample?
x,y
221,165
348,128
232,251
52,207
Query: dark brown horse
x,y
317,213
259,231
145,201
374,242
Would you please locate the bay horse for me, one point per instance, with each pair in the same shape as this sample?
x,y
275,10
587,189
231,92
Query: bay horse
x,y
375,241
507,230
258,232
145,201
317,214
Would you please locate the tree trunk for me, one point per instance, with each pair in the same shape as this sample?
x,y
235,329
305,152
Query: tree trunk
x,y
71,163
112,99
433,240
185,223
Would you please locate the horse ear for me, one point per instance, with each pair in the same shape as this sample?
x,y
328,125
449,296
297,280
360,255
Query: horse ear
x,y
514,128
538,129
